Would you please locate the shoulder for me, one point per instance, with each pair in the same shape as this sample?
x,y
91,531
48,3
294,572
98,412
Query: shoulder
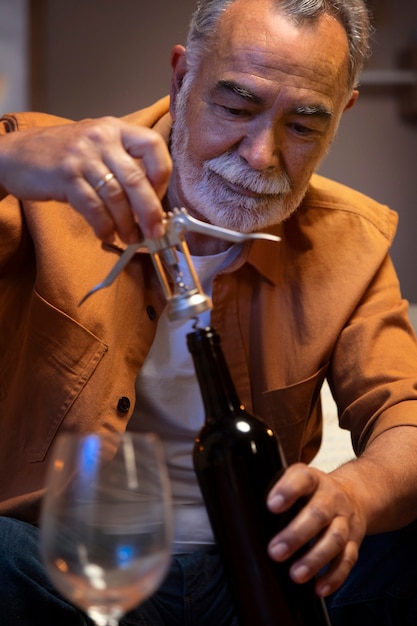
x,y
337,203
28,119
149,116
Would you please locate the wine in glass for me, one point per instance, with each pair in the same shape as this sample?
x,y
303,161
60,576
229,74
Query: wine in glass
x,y
106,524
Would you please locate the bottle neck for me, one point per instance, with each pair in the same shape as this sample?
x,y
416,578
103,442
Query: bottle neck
x,y
217,389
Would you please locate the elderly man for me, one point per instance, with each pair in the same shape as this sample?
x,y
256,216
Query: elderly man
x,y
256,99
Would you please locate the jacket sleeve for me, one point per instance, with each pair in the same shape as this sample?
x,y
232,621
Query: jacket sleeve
x,y
373,374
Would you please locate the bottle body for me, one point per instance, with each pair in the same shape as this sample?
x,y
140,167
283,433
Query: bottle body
x,y
237,458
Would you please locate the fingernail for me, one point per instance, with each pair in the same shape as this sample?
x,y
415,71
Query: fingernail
x,y
276,501
300,573
279,550
324,591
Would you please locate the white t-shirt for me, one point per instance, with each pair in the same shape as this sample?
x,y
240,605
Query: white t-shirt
x,y
168,403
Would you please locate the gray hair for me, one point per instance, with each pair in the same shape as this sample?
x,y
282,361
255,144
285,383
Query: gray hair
x,y
352,14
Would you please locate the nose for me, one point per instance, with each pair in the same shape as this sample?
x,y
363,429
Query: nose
x,y
259,148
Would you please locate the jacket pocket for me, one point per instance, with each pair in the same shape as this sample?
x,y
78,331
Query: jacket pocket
x,y
294,413
56,359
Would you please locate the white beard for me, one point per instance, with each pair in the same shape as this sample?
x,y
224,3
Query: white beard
x,y
205,188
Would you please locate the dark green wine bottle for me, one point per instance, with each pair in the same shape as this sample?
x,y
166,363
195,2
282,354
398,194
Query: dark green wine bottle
x,y
237,459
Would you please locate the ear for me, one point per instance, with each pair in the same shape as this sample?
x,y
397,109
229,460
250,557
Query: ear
x,y
179,68
354,96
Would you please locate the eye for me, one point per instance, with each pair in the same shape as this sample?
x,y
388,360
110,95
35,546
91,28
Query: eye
x,y
301,129
235,112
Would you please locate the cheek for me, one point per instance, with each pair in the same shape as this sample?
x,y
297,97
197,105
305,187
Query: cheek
x,y
301,160
207,144
209,138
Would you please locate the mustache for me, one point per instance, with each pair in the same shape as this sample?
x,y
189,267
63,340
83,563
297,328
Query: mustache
x,y
231,167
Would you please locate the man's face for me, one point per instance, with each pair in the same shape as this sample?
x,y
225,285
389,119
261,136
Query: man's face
x,y
254,123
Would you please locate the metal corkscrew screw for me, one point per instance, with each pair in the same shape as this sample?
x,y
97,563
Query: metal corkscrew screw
x,y
184,300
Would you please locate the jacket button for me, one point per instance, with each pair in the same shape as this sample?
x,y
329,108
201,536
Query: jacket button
x,y
123,405
151,313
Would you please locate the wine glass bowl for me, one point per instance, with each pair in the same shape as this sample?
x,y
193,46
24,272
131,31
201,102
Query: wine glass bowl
x,y
106,521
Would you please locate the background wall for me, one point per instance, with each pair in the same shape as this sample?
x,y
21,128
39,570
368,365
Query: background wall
x,y
105,56
13,54
95,57
375,150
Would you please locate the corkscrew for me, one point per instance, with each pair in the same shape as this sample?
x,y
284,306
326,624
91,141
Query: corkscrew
x,y
184,300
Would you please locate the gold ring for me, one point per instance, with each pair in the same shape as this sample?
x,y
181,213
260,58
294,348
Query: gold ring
x,y
103,181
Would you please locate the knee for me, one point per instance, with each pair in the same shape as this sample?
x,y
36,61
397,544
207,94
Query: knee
x,y
26,595
19,546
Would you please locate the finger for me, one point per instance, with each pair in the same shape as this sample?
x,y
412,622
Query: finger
x,y
151,149
112,200
144,182
317,516
142,198
105,180
305,526
116,203
336,574
106,204
134,196
86,201
297,482
327,547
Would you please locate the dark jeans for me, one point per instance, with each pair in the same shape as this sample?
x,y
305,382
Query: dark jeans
x,y
194,590
382,587
381,591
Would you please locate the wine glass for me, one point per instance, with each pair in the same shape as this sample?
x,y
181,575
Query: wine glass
x,y
106,523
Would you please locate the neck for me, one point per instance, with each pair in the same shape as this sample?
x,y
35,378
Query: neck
x,y
202,245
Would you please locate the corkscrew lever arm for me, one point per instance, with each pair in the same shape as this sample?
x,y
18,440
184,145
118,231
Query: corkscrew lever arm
x,y
176,225
182,219
123,260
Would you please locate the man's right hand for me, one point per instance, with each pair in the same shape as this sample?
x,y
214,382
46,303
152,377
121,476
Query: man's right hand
x,y
67,163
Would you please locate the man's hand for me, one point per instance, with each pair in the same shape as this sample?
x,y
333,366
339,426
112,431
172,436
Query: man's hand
x,y
331,520
373,493
67,163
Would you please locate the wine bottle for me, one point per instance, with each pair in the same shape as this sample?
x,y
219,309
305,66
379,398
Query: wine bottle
x,y
237,458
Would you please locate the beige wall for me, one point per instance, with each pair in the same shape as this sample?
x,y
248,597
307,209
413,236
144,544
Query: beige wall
x,y
375,151
112,56
13,54
108,56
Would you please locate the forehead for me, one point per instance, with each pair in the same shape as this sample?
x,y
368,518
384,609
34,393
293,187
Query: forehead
x,y
256,43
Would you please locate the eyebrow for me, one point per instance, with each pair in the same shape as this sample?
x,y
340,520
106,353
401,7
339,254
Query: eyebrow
x,y
230,86
315,111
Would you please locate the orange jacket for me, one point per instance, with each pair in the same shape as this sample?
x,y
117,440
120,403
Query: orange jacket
x,y
323,302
